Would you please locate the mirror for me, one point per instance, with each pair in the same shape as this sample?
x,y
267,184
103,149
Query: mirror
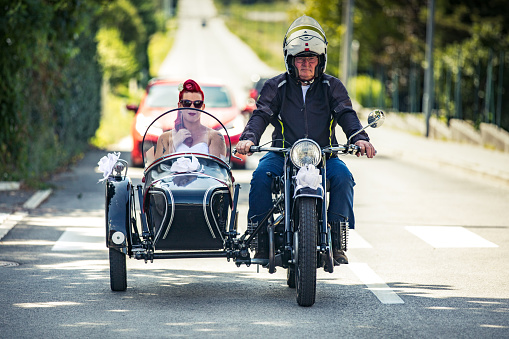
x,y
131,107
376,118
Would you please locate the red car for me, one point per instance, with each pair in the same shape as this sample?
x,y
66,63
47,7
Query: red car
x,y
161,95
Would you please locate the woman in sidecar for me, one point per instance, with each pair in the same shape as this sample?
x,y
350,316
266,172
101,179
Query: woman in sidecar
x,y
187,198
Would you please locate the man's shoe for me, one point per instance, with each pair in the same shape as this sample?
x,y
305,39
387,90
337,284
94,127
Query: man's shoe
x,y
339,257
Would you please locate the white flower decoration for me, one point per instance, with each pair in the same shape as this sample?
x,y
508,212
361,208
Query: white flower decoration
x,y
180,87
106,164
309,176
185,165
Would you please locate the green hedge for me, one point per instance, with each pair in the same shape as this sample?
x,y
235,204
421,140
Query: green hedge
x,y
51,75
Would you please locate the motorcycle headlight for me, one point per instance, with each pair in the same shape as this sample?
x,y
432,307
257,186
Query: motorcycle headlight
x,y
305,152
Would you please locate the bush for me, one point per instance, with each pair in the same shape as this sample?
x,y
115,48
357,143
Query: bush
x,y
367,91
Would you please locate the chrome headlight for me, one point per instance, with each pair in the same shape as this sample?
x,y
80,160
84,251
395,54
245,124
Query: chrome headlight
x,y
305,152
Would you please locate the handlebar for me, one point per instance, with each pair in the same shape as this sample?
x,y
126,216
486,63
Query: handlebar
x,y
346,148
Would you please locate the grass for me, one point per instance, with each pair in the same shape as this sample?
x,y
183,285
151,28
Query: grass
x,y
264,37
115,121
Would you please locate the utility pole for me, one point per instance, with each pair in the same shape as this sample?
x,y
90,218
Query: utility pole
x,y
347,40
428,97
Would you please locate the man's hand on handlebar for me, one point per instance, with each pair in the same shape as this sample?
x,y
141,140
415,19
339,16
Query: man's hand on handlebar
x,y
243,147
365,147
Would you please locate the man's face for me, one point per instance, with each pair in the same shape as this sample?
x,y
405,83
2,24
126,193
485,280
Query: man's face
x,y
306,67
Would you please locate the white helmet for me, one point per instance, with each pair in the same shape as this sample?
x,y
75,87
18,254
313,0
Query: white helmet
x,y
305,37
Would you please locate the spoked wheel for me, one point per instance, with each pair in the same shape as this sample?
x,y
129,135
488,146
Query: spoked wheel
x,y
306,261
290,276
118,270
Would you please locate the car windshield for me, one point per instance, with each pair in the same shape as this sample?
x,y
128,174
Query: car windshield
x,y
165,95
185,131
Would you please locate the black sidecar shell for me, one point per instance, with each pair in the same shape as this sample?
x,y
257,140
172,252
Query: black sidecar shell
x,y
118,213
188,211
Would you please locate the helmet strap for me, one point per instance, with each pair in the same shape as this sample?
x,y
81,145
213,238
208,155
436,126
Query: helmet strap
x,y
306,82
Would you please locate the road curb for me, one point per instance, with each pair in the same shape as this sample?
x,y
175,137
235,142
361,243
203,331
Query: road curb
x,y
37,199
9,185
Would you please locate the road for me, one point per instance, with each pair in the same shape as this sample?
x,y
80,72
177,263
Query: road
x,y
428,260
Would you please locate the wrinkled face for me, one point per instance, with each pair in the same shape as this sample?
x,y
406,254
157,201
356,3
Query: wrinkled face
x,y
191,115
306,67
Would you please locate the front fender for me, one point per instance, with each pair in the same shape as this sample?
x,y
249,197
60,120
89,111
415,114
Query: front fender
x,y
309,192
118,213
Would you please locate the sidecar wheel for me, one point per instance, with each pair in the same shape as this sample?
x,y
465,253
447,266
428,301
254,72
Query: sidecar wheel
x,y
305,269
290,276
118,270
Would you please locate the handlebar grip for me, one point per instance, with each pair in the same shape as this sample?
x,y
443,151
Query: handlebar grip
x,y
254,149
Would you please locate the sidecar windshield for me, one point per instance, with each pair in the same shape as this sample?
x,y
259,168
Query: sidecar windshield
x,y
180,168
185,131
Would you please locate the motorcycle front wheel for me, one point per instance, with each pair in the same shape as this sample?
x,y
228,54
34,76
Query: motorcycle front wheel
x,y
305,270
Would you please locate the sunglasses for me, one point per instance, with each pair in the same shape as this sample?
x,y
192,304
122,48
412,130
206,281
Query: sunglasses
x,y
188,103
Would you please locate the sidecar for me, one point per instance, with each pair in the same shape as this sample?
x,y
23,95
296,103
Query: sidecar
x,y
184,208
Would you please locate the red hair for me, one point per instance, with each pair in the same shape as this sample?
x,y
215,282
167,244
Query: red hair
x,y
191,86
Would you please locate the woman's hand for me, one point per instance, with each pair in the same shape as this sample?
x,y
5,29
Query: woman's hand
x,y
180,137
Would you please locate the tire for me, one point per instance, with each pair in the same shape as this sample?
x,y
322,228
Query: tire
x,y
305,269
118,270
290,276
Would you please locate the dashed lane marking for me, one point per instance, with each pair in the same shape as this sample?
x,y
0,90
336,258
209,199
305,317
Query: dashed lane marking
x,y
8,221
356,241
81,239
375,284
449,237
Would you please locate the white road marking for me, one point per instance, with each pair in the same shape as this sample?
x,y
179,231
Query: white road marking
x,y
36,199
375,284
8,221
81,239
356,241
449,237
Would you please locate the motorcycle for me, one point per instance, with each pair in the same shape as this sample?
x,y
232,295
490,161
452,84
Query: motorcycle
x,y
300,237
188,208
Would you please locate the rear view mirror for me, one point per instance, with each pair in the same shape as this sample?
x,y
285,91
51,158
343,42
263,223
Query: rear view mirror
x,y
132,107
376,118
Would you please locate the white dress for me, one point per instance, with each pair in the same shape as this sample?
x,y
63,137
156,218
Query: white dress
x,y
200,147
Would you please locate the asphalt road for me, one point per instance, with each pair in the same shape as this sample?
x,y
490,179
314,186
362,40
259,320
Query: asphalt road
x,y
404,280
428,260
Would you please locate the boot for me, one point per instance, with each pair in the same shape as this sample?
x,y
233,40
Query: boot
x,y
262,252
339,256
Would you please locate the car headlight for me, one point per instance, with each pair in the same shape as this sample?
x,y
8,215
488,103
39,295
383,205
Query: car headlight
x,y
142,123
305,152
234,127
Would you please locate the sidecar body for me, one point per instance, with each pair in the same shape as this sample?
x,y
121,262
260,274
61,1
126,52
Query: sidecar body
x,y
184,207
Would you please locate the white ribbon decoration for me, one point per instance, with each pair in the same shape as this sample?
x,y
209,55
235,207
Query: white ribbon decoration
x,y
309,176
185,165
106,164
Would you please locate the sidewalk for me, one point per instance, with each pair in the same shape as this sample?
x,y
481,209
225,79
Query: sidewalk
x,y
467,158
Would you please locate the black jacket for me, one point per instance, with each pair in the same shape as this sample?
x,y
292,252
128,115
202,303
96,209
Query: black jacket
x,y
281,104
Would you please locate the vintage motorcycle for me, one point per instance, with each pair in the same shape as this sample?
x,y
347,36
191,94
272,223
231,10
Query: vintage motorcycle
x,y
188,209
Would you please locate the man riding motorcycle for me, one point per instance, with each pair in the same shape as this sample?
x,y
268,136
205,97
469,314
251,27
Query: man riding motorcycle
x,y
303,102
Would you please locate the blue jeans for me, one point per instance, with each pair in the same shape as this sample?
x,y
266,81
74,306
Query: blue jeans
x,y
341,189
